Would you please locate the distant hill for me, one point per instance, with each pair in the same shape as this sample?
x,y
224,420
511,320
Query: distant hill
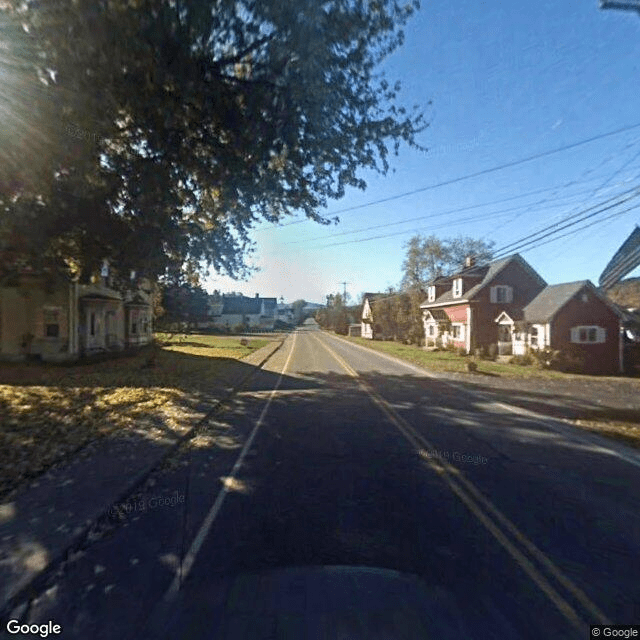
x,y
626,293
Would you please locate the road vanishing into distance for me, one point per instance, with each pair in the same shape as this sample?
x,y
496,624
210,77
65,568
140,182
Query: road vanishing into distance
x,y
344,494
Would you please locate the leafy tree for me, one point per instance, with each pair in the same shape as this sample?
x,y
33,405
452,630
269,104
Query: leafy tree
x,y
298,313
165,129
428,257
336,316
184,303
425,258
393,317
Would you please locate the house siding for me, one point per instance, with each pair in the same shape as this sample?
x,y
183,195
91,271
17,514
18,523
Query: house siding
x,y
23,312
367,320
27,308
458,315
603,358
484,312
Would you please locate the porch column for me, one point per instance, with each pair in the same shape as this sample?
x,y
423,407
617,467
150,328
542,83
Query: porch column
x,y
468,332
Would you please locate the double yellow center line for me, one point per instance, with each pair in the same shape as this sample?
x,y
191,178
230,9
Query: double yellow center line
x,y
525,553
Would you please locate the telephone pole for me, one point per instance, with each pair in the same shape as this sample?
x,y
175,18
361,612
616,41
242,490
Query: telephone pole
x,y
344,291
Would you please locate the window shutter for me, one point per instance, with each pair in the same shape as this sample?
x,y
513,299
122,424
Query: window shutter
x,y
575,335
602,335
492,295
509,294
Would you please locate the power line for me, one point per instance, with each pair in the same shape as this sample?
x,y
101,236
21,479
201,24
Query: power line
x,y
619,170
519,244
456,210
585,173
565,219
539,244
487,216
506,165
590,224
491,216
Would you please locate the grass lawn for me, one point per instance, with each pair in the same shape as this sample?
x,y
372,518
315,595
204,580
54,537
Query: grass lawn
x,y
450,361
48,411
211,346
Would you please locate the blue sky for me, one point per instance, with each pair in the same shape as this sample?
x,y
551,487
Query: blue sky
x,y
507,81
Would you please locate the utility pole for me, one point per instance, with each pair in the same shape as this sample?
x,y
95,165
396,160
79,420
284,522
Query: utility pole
x,y
631,5
344,292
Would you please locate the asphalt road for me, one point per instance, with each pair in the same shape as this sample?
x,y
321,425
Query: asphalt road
x,y
344,494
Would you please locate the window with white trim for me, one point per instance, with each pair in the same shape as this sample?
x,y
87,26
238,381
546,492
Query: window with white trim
x,y
533,333
457,288
432,329
588,335
457,331
431,293
501,294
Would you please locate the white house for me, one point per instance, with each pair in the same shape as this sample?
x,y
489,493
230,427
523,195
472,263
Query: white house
x,y
367,321
230,310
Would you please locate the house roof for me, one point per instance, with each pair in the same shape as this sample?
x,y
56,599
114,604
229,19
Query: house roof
x,y
551,299
516,315
439,315
239,305
371,297
137,301
88,297
484,273
270,304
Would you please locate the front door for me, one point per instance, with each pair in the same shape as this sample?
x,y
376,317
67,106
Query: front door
x,y
505,347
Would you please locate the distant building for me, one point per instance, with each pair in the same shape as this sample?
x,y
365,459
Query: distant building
x,y
369,328
355,330
285,312
229,310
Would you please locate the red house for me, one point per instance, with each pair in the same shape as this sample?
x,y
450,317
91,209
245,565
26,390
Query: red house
x,y
574,317
508,304
462,308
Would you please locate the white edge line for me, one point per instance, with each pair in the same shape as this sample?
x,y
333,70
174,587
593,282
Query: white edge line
x,y
568,430
217,505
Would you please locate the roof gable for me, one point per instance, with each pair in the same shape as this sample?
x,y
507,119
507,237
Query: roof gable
x,y
372,297
508,318
551,299
487,273
438,315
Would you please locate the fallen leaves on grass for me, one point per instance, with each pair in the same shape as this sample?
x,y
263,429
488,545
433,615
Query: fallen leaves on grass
x,y
47,412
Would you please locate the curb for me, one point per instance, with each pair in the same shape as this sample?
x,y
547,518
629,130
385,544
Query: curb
x,y
38,582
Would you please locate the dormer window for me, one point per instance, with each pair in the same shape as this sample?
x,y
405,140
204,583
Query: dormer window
x,y
457,288
431,293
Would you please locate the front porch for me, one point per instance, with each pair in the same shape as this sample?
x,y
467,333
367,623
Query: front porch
x,y
101,323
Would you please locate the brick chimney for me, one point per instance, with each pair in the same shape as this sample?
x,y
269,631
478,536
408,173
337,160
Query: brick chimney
x,y
469,261
257,295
